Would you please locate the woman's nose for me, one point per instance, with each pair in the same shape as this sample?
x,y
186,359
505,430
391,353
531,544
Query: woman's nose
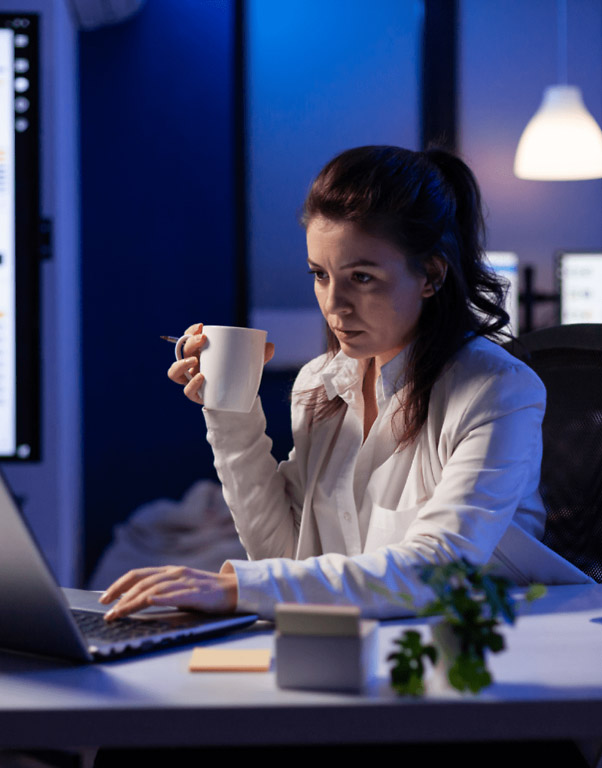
x,y
337,300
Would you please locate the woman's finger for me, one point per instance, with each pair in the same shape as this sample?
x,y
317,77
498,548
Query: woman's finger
x,y
176,595
177,371
192,390
194,329
137,596
193,345
125,583
161,575
133,604
269,352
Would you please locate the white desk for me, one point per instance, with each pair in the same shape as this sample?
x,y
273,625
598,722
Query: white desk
x,y
548,686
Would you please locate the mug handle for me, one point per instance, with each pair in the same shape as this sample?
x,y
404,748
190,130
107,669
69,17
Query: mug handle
x,y
179,344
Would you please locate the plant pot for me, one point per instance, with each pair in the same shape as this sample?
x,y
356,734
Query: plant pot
x,y
448,648
471,673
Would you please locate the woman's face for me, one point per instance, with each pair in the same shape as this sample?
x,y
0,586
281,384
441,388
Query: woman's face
x,y
366,291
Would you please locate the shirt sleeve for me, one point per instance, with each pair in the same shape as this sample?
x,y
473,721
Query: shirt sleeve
x,y
489,456
265,499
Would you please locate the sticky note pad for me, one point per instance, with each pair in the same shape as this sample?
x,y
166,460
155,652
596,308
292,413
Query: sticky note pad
x,y
229,660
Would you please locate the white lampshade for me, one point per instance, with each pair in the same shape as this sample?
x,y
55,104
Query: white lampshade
x,y
562,141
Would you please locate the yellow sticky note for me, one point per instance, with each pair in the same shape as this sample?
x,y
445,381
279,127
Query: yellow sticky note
x,y
230,660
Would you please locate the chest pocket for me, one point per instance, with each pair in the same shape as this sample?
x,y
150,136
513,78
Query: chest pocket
x,y
389,526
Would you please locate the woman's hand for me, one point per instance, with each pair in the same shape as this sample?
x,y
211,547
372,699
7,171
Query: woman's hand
x,y
173,585
187,371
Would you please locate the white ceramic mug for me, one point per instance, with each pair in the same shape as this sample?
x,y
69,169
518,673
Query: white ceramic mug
x,y
232,364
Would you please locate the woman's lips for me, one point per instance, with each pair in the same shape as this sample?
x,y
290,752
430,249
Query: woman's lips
x,y
346,334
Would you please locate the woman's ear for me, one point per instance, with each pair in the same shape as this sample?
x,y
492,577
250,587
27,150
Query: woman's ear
x,y
436,272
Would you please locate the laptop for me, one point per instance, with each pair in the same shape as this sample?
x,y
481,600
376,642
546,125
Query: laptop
x,y
37,616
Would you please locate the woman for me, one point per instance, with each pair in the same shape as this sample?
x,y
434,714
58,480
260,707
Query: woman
x,y
417,439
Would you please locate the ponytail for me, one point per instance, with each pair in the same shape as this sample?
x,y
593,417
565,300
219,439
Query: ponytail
x,y
484,289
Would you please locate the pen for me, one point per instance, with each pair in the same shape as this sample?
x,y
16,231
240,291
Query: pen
x,y
172,339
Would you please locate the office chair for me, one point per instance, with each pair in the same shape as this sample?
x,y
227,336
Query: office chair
x,y
568,359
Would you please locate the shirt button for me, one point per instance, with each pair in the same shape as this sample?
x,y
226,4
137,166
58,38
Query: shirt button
x,y
346,516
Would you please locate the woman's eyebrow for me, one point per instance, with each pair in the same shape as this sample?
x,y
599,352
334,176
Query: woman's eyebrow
x,y
360,263
352,264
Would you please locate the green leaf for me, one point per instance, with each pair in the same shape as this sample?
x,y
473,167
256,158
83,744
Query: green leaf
x,y
469,673
411,686
431,652
408,671
496,643
535,591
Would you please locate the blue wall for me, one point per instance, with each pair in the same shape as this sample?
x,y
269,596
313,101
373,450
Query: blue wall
x,y
321,77
158,243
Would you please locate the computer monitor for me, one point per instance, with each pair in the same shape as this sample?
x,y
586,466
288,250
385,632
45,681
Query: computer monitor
x,y
19,237
580,286
505,264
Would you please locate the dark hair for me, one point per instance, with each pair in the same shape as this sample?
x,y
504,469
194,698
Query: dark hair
x,y
428,205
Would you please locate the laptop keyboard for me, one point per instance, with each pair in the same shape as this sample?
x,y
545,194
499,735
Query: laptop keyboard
x,y
96,629
132,635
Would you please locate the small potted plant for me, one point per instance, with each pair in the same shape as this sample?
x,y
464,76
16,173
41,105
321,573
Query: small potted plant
x,y
471,603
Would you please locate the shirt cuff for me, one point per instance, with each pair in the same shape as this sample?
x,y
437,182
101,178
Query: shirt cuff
x,y
253,588
231,428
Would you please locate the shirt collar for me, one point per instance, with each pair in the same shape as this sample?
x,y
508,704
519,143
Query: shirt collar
x,y
393,373
343,374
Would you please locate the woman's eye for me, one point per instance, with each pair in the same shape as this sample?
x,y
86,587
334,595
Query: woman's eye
x,y
318,274
362,277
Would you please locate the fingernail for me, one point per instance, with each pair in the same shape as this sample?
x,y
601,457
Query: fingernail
x,y
103,597
110,614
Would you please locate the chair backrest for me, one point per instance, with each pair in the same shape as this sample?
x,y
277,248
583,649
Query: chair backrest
x,y
568,359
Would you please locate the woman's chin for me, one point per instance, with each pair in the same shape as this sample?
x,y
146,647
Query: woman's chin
x,y
355,351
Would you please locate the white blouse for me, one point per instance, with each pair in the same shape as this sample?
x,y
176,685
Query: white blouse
x,y
341,521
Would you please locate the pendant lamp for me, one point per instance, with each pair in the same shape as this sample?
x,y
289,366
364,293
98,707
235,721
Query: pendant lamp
x,y
562,141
